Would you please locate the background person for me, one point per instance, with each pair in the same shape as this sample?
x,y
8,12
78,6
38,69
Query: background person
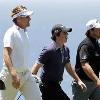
x,y
88,63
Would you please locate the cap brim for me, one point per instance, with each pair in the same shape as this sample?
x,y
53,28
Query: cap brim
x,y
23,13
97,25
28,13
67,30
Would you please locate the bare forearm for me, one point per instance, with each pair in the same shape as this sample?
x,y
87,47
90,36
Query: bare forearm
x,y
72,72
74,75
35,68
7,59
89,72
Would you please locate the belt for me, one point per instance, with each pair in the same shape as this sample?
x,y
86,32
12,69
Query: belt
x,y
51,82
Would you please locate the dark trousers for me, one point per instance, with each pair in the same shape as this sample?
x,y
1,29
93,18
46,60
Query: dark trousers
x,y
52,91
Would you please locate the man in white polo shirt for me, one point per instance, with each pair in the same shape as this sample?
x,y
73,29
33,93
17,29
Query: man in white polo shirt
x,y
15,73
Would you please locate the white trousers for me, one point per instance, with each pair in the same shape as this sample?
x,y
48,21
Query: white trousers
x,y
29,87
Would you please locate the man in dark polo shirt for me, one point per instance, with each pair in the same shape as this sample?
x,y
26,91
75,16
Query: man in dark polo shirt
x,y
53,59
88,63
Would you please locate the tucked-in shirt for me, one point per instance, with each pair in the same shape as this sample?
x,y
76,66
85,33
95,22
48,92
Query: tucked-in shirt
x,y
53,59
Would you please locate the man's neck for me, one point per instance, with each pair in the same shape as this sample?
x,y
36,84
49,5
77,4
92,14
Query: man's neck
x,y
61,45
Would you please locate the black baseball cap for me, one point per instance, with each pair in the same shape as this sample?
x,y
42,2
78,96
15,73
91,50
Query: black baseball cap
x,y
60,28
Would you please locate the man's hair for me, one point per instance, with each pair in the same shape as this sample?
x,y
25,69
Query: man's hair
x,y
56,33
88,32
15,20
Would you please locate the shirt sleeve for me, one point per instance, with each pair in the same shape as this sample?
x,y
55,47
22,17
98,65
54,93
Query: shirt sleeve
x,y
43,57
67,55
8,39
84,53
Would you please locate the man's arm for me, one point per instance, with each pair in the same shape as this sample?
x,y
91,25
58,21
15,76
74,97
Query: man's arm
x,y
35,68
15,79
6,53
84,55
72,72
90,73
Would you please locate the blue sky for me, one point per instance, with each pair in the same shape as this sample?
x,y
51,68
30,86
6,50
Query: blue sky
x,y
71,13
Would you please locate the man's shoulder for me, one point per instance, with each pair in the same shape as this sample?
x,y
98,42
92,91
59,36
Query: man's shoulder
x,y
49,48
86,41
10,30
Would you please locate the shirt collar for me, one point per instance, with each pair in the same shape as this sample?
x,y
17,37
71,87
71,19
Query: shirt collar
x,y
56,45
18,28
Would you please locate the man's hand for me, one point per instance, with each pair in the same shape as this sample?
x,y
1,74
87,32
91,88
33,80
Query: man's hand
x,y
82,85
15,79
98,83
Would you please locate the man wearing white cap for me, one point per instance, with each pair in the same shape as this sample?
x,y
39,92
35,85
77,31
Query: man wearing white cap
x,y
15,73
88,63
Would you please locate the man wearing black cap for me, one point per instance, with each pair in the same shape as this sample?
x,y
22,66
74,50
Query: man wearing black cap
x,y
53,59
88,63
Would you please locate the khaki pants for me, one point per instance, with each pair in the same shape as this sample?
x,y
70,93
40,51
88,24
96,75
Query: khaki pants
x,y
28,88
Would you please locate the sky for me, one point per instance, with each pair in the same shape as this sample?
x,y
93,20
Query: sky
x,y
71,13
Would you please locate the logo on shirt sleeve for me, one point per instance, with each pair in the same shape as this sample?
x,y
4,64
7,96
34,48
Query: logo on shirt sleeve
x,y
84,57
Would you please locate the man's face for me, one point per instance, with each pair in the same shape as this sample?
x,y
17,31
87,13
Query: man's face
x,y
63,37
23,22
97,33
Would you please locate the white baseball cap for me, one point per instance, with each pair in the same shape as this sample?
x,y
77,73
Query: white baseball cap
x,y
94,23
